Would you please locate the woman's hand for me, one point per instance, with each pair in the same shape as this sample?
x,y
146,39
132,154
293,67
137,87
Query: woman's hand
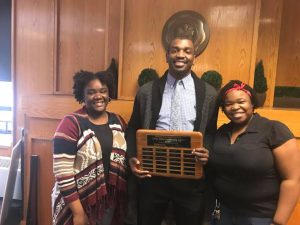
x,y
201,155
134,166
79,216
80,219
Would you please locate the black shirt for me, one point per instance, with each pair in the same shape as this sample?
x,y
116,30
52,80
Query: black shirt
x,y
244,173
105,138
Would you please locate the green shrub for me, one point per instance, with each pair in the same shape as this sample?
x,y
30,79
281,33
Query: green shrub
x,y
147,75
213,77
260,81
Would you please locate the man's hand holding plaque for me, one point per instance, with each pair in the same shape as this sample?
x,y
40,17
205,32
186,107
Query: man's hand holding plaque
x,y
201,155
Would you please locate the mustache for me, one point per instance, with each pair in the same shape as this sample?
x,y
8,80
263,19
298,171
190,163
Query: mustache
x,y
180,60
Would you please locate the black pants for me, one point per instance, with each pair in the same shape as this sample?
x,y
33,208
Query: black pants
x,y
156,193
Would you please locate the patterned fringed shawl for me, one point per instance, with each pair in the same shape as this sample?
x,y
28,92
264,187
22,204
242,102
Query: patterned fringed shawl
x,y
79,173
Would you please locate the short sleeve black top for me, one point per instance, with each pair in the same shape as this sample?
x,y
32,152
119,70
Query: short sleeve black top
x,y
244,174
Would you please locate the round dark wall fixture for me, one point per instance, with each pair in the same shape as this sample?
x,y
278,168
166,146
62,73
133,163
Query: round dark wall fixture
x,y
187,23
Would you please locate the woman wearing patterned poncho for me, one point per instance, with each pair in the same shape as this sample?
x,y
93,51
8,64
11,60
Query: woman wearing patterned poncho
x,y
89,158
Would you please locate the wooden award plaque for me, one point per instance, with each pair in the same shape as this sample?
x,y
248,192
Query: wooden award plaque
x,y
169,153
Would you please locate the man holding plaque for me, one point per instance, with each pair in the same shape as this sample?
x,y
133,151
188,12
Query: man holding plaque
x,y
158,106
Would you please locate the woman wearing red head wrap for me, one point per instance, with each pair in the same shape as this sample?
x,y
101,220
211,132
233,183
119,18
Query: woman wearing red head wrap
x,y
255,163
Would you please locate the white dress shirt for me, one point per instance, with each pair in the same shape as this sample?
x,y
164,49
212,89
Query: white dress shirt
x,y
188,104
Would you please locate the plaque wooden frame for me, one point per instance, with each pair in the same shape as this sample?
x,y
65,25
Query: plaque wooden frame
x,y
169,153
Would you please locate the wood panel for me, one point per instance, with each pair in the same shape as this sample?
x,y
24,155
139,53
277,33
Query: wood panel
x,y
254,41
33,52
38,142
288,68
43,148
114,11
81,34
295,218
34,26
229,50
268,43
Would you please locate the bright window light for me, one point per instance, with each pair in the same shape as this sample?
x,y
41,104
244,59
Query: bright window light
x,y
6,113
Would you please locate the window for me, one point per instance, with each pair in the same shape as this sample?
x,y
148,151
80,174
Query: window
x,y
6,114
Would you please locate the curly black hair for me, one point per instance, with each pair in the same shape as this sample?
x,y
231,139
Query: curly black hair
x,y
229,85
82,78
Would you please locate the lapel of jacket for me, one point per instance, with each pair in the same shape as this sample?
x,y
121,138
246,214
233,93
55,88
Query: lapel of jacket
x,y
157,93
200,96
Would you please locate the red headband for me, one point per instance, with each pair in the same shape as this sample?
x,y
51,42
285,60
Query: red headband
x,y
238,88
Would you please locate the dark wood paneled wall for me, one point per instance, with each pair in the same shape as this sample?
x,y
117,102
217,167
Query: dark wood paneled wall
x,y
288,68
53,39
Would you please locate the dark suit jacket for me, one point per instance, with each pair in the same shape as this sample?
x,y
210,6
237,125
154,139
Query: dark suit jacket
x,y
147,106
